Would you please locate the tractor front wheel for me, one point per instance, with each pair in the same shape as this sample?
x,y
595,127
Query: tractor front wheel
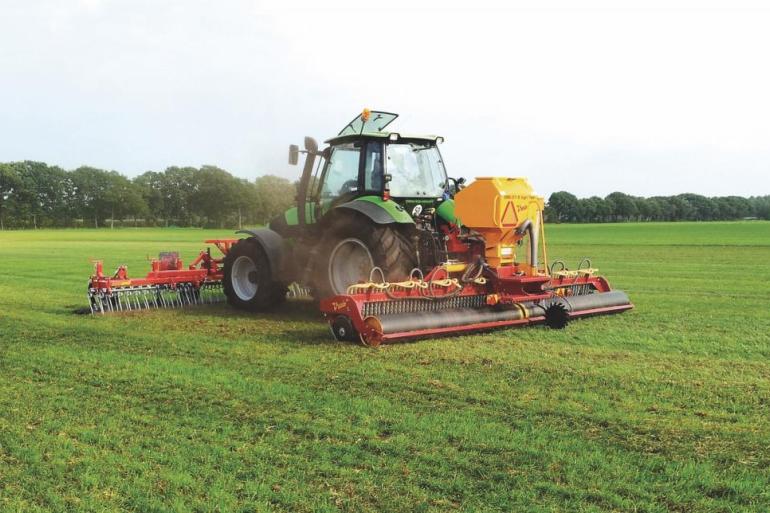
x,y
248,282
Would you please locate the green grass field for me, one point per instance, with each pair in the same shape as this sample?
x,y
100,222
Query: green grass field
x,y
664,408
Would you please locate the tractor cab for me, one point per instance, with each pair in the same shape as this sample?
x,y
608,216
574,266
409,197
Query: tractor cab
x,y
365,162
370,199
385,164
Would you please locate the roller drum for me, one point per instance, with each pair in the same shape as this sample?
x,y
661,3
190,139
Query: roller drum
x,y
416,321
575,304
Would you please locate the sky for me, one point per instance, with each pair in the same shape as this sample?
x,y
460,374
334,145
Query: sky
x,y
648,98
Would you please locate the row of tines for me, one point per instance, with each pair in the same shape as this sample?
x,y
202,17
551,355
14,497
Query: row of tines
x,y
402,306
125,299
577,289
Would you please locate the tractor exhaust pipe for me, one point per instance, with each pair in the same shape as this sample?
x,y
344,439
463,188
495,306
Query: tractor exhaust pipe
x,y
311,151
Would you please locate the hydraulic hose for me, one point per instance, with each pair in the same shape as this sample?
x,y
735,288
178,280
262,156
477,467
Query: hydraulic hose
x,y
532,228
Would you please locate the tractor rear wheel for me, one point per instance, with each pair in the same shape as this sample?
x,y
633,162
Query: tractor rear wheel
x,y
248,282
353,247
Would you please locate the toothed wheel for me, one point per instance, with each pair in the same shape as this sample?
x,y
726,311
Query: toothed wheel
x,y
343,329
556,316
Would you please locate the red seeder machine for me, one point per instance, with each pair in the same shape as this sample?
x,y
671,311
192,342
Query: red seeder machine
x,y
487,283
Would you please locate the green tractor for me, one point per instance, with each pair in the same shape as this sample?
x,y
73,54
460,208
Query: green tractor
x,y
374,200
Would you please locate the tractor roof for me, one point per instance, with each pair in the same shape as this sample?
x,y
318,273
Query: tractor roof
x,y
370,124
392,136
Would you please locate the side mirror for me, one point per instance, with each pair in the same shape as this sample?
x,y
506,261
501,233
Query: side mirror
x,y
293,154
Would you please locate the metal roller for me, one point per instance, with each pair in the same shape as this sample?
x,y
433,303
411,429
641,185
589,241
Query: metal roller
x,y
576,304
398,323
555,313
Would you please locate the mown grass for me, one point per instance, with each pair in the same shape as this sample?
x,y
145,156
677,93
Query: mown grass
x,y
664,408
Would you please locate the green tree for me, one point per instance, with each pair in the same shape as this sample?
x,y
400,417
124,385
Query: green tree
x,y
273,195
91,198
215,195
624,206
564,206
653,209
761,206
150,186
705,209
41,194
124,198
681,209
179,186
9,182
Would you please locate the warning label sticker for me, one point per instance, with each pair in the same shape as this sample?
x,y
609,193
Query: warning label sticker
x,y
509,215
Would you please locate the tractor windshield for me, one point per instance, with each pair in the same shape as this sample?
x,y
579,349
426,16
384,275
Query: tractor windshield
x,y
376,122
416,170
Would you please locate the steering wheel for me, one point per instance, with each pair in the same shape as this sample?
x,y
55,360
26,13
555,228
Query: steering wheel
x,y
454,185
349,186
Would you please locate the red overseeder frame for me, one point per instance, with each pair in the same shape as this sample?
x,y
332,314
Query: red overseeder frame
x,y
168,271
505,290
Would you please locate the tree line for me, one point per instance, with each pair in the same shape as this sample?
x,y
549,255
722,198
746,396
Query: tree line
x,y
35,195
618,207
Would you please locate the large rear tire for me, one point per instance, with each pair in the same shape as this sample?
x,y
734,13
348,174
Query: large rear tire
x,y
248,281
353,247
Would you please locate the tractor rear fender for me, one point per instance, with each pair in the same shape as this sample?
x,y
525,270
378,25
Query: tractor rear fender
x,y
272,244
380,211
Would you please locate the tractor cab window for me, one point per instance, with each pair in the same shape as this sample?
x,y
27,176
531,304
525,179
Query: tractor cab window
x,y
416,170
341,175
373,167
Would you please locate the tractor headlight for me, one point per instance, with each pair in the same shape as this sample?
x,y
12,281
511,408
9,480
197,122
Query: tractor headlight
x,y
506,252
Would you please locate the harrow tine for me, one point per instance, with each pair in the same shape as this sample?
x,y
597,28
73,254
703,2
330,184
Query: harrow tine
x,y
145,297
